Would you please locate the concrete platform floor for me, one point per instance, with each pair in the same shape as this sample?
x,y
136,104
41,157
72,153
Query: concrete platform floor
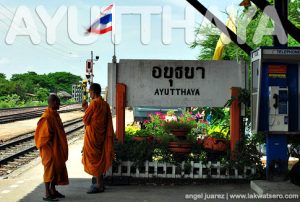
x,y
26,185
285,187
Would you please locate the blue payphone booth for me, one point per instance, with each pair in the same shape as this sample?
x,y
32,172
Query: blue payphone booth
x,y
274,98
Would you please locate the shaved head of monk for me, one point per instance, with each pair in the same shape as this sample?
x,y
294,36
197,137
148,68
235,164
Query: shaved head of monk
x,y
95,90
53,102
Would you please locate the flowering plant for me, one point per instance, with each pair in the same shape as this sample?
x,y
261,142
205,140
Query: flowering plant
x,y
154,126
185,122
175,125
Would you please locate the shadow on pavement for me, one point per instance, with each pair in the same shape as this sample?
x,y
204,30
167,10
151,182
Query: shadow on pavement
x,y
76,191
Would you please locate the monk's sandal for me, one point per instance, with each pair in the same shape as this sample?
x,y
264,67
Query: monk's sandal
x,y
93,190
50,198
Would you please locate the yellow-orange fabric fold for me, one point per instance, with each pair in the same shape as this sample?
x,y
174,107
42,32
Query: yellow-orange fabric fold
x,y
50,139
98,139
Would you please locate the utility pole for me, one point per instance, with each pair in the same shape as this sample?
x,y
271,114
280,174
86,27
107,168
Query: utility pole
x,y
89,74
89,67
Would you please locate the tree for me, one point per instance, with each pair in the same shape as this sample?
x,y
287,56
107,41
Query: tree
x,y
42,94
5,88
19,89
63,81
232,51
2,76
57,81
40,85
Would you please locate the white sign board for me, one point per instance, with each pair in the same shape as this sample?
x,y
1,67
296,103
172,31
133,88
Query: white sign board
x,y
175,83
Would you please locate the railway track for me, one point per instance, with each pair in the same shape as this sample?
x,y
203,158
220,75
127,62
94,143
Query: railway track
x,y
17,115
21,150
6,111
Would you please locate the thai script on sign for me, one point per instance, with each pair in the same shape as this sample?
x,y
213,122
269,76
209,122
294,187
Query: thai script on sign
x,y
176,72
179,72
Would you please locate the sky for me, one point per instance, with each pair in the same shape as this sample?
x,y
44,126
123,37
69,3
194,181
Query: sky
x,y
64,55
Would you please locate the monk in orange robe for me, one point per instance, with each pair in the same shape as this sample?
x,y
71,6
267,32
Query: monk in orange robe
x,y
98,139
50,139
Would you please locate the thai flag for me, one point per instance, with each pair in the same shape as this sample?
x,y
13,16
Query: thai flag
x,y
104,23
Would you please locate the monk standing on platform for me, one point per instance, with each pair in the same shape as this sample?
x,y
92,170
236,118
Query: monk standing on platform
x,y
50,139
98,139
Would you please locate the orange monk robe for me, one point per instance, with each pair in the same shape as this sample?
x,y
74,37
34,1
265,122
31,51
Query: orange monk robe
x,y
98,139
50,139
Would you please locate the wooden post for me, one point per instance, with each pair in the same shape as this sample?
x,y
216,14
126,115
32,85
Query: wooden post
x,y
120,111
235,113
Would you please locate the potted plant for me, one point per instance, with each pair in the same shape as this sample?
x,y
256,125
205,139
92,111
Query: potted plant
x,y
137,134
177,128
217,138
154,126
180,127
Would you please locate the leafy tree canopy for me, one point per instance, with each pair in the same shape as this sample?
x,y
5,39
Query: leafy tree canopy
x,y
31,83
2,76
208,36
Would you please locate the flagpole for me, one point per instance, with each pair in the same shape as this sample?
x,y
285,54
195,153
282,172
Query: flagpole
x,y
114,58
114,70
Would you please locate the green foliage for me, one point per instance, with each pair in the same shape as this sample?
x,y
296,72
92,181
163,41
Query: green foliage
x,y
63,81
10,101
206,50
131,130
54,82
42,94
176,125
243,98
69,101
137,152
246,154
219,126
209,35
33,89
185,122
32,103
294,17
154,126
258,138
5,87
157,150
2,76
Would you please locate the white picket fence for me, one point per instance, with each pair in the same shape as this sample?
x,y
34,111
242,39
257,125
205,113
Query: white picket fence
x,y
166,170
